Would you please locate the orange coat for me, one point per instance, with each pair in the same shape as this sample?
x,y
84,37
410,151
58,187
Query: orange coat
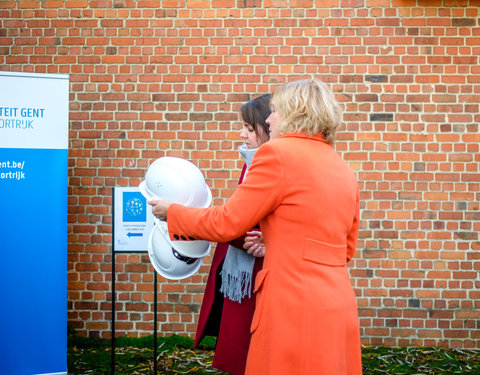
x,y
306,200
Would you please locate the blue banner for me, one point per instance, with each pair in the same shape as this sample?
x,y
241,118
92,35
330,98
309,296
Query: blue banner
x,y
33,227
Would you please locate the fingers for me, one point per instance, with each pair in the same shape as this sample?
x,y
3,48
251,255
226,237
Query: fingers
x,y
258,252
253,243
250,247
159,208
253,236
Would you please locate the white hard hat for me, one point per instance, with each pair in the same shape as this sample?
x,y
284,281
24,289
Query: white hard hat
x,y
176,180
166,260
192,249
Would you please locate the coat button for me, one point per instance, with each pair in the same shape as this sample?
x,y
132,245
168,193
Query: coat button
x,y
183,238
176,236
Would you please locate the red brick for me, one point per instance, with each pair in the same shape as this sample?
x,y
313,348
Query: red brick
x,y
168,78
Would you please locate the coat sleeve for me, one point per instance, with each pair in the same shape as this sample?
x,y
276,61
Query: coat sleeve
x,y
258,195
353,234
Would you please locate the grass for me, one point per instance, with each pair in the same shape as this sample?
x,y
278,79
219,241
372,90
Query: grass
x,y
176,356
419,361
136,356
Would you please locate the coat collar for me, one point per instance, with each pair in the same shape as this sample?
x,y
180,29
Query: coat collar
x,y
317,137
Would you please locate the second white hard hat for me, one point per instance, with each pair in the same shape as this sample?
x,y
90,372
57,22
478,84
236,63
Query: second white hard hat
x,y
166,260
193,248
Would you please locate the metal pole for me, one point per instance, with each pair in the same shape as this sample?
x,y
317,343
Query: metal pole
x,y
113,314
112,364
155,322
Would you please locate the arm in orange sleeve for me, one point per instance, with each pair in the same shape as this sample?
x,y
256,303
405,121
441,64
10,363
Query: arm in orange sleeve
x,y
353,234
259,194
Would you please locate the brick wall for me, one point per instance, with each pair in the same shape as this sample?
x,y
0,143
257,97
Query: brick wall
x,y
150,78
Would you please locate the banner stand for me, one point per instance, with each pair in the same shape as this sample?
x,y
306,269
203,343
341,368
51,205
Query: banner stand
x,y
112,364
34,119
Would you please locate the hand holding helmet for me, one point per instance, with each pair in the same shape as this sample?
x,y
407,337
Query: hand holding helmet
x,y
160,208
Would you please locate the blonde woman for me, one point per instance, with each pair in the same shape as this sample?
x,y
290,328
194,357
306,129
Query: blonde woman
x,y
306,200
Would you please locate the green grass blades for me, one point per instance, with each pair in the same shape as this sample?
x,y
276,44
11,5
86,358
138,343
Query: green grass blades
x,y
176,356
416,360
135,356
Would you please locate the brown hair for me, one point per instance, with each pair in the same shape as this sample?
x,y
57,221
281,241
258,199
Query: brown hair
x,y
255,112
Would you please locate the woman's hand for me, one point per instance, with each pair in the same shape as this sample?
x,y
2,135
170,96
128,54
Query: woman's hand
x,y
160,208
254,244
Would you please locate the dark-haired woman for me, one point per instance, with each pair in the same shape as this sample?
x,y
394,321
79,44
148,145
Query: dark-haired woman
x,y
229,303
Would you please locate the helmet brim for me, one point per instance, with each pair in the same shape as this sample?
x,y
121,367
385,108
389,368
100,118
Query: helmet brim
x,y
165,262
192,249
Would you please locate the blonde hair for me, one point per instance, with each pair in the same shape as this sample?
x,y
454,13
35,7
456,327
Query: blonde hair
x,y
307,106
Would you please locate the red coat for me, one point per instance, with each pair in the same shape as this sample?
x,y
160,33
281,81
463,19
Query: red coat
x,y
306,199
228,320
